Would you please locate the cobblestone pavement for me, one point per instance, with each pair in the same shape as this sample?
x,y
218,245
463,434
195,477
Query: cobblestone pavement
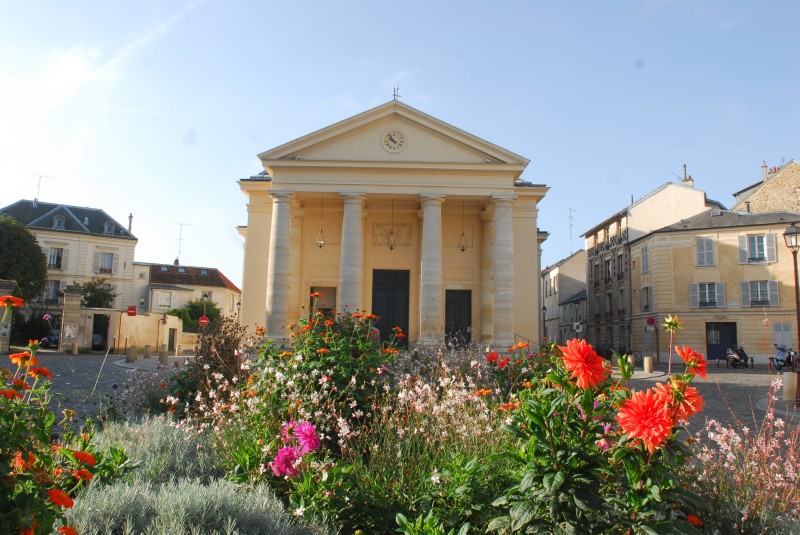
x,y
733,396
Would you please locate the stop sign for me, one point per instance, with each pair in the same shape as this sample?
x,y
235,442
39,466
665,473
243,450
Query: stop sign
x,y
203,321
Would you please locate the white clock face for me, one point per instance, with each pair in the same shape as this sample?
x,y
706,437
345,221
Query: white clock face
x,y
394,141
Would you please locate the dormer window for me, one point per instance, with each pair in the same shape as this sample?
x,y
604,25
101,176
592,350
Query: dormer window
x,y
164,269
58,222
204,272
181,270
108,228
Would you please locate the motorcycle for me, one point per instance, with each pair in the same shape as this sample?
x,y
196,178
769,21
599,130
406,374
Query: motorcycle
x,y
738,358
784,357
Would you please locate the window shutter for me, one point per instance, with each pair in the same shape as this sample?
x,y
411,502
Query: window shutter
x,y
641,300
113,299
745,289
46,251
114,264
173,300
701,251
710,252
773,293
96,263
721,303
694,295
64,259
743,251
772,253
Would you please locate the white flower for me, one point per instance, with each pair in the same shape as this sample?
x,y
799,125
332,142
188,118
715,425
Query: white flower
x,y
206,366
435,476
299,511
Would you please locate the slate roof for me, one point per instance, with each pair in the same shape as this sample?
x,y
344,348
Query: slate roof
x,y
183,276
575,297
37,215
727,219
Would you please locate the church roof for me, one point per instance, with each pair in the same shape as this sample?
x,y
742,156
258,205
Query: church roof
x,y
37,215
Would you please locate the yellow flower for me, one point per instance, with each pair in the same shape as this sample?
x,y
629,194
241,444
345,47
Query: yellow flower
x,y
672,323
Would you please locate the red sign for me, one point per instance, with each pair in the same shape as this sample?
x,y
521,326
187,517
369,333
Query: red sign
x,y
131,311
650,322
203,321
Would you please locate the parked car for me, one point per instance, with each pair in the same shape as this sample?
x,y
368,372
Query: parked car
x,y
98,341
50,339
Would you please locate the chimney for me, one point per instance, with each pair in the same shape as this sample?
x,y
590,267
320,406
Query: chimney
x,y
177,262
35,203
764,170
130,221
689,181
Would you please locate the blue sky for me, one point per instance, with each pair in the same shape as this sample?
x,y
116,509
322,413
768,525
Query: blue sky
x,y
157,108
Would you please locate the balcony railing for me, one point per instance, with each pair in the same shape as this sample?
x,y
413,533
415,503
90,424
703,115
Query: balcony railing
x,y
759,302
708,304
756,259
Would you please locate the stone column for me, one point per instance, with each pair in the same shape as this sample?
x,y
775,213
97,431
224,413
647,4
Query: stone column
x,y
487,278
279,257
7,287
297,296
431,291
72,328
503,272
351,264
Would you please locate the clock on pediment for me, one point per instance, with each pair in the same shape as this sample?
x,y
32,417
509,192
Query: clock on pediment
x,y
394,141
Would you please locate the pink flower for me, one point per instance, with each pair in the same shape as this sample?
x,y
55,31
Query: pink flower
x,y
285,461
306,435
287,432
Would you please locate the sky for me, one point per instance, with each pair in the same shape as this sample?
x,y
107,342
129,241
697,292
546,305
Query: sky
x,y
157,108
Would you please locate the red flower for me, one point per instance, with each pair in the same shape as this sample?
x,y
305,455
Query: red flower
x,y
66,530
29,531
695,363
10,394
84,457
40,372
587,367
483,392
503,362
60,498
322,351
493,356
83,474
683,404
24,359
694,520
8,300
316,294
260,330
389,350
645,417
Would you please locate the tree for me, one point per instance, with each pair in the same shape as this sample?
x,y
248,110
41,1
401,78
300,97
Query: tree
x,y
196,308
21,259
97,294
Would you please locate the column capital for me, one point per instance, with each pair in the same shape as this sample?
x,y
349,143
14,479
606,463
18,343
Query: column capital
x,y
281,196
350,198
433,198
499,200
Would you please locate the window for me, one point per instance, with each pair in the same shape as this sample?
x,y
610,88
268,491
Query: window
x,y
596,304
108,228
609,271
106,263
646,301
705,252
204,272
707,295
645,259
759,293
621,300
620,268
181,270
55,258
141,274
166,300
757,248
608,304
52,293
164,269
58,222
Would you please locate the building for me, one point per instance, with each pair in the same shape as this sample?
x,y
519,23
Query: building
x,y
572,316
401,214
778,190
562,281
161,287
80,244
724,274
609,290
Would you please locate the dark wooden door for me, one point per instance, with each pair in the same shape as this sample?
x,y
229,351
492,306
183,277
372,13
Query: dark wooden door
x,y
719,337
390,292
458,317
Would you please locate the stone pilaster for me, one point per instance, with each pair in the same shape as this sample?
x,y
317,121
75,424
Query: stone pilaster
x,y
431,292
487,277
279,264
503,272
351,266
298,297
7,287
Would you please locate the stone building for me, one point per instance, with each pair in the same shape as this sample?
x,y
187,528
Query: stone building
x,y
778,190
398,213
728,275
562,281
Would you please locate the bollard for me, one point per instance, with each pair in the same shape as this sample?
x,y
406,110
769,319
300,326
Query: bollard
x,y
789,385
147,353
632,360
163,357
130,354
648,364
75,348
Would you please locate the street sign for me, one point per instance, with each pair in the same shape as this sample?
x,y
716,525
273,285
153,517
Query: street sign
x,y
203,321
650,321
650,328
131,311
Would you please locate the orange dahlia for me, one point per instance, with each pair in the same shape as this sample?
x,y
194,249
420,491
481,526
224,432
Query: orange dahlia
x,y
695,363
645,417
586,366
685,401
60,498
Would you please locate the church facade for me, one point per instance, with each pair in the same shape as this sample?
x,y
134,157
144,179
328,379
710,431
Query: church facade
x,y
395,213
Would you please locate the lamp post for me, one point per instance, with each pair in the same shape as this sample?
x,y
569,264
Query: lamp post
x,y
544,319
205,300
238,309
792,238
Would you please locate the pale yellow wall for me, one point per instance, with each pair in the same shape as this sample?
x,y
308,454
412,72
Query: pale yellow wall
x,y
671,204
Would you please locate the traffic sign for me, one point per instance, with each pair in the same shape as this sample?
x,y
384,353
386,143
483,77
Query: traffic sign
x,y
131,311
203,321
650,321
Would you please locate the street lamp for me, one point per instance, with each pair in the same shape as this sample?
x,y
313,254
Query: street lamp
x,y
792,237
544,319
238,308
205,300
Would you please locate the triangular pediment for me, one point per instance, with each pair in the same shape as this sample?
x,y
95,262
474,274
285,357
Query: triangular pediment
x,y
363,139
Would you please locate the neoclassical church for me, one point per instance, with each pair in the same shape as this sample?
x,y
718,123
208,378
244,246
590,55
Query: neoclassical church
x,y
399,214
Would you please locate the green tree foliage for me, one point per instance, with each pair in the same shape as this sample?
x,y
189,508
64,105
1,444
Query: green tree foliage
x,y
22,260
195,309
97,294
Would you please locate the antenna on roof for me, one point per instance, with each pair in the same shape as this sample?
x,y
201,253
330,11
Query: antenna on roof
x,y
39,186
396,93
571,219
180,240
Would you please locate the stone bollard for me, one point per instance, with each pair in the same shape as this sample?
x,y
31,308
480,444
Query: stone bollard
x,y
130,354
648,364
74,348
632,360
147,351
163,357
789,385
